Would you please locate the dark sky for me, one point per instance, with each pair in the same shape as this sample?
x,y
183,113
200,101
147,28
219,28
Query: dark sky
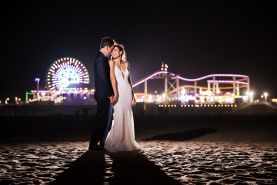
x,y
193,37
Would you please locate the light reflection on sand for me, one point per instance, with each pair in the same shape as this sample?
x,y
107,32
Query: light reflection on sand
x,y
189,162
215,163
36,163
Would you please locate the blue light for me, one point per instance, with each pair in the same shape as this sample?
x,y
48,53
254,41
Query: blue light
x,y
67,74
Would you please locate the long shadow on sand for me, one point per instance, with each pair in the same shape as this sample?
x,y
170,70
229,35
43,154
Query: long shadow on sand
x,y
182,136
135,168
87,170
127,168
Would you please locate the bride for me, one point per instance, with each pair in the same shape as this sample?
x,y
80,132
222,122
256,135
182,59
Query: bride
x,y
122,135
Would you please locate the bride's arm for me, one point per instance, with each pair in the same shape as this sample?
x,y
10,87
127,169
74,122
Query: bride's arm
x,y
130,81
113,79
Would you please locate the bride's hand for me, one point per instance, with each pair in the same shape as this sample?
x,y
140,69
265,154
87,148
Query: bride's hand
x,y
134,101
115,99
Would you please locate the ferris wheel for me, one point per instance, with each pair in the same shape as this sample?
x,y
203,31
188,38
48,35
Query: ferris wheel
x,y
65,74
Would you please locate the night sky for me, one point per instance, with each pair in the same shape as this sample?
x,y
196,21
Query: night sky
x,y
194,38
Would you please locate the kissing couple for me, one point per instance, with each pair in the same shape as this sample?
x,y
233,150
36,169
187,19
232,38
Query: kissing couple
x,y
113,129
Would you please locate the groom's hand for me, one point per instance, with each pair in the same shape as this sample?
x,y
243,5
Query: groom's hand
x,y
111,99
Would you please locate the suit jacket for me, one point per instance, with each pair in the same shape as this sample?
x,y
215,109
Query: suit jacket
x,y
102,81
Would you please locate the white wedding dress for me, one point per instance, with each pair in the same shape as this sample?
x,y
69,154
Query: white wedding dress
x,y
122,134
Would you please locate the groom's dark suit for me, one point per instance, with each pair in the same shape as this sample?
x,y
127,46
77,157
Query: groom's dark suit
x,y
103,90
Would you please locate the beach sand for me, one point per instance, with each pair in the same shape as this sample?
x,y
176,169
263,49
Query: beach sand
x,y
213,149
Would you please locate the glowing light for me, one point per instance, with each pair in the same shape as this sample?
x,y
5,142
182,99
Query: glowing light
x,y
229,99
65,74
7,101
274,100
265,96
140,82
150,98
212,75
196,79
250,95
204,96
183,91
227,81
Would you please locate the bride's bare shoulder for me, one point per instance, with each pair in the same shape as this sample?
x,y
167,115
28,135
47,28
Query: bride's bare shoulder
x,y
111,64
126,63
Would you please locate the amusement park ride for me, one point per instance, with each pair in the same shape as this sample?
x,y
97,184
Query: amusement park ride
x,y
67,82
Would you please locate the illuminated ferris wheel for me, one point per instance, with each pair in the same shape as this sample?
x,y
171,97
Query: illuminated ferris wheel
x,y
65,74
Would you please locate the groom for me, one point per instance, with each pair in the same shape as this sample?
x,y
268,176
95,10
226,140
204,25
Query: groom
x,y
103,94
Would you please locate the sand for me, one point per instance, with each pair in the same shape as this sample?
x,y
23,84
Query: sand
x,y
175,150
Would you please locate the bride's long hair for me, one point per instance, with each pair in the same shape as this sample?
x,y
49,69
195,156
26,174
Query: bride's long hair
x,y
123,55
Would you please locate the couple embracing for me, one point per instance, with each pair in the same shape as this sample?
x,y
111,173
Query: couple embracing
x,y
113,129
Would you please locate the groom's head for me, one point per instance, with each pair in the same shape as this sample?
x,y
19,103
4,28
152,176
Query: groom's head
x,y
107,45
